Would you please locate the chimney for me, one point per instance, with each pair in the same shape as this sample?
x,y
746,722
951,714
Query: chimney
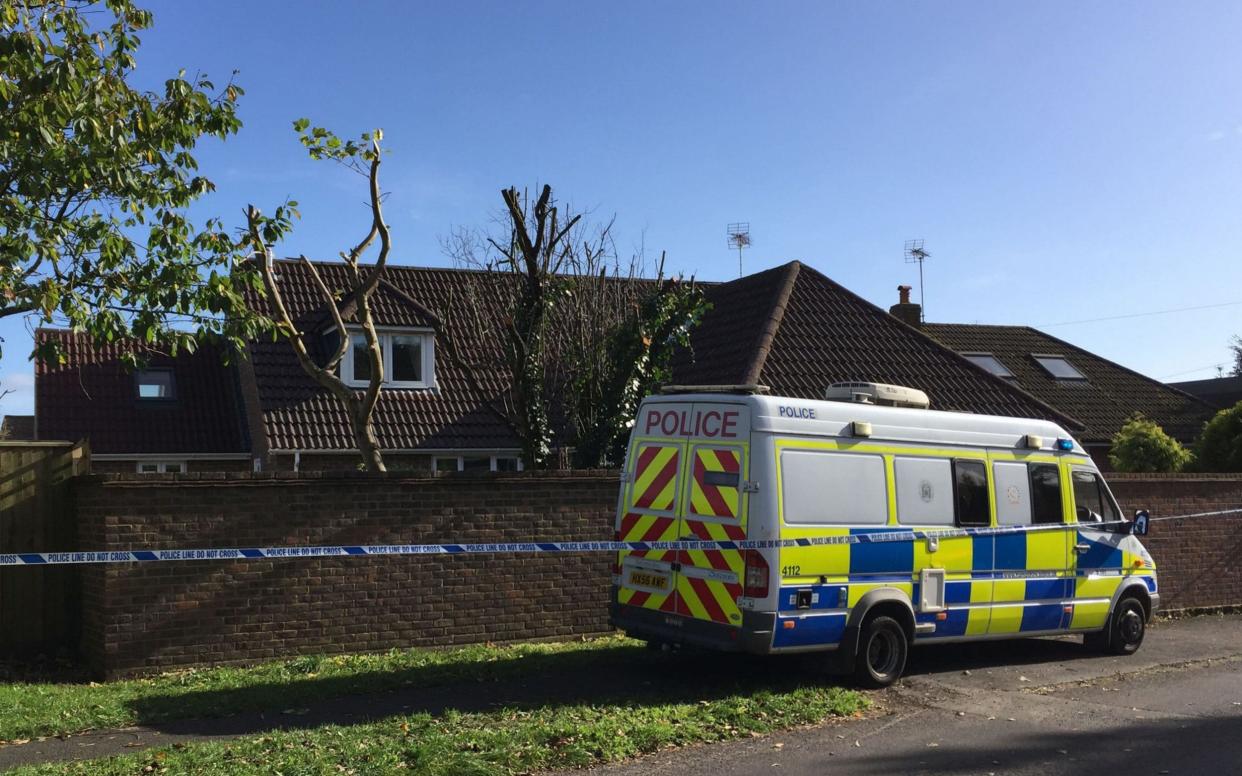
x,y
905,310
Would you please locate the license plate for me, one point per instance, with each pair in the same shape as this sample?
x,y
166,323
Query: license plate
x,y
647,579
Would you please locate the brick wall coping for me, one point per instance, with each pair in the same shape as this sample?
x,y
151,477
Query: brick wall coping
x,y
133,479
1176,477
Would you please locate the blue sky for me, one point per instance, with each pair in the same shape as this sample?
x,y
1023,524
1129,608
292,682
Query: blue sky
x,y
1063,161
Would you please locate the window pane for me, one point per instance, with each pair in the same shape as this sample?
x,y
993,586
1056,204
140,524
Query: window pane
x,y
148,468
173,468
1059,368
1111,513
362,358
1013,493
1087,504
474,464
506,464
1045,493
988,362
446,464
155,384
833,488
972,493
924,491
407,359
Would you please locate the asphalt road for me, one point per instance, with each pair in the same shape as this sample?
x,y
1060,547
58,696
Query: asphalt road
x,y
1039,706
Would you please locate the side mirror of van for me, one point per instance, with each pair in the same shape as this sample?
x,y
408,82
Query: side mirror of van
x,y
1138,527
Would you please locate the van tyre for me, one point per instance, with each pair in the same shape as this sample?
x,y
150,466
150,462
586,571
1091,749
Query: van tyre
x,y
1127,627
882,652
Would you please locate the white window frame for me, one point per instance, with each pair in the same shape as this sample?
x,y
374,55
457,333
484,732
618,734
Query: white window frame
x,y
385,338
161,467
461,461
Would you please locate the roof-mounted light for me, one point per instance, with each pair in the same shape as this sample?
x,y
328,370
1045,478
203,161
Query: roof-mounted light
x,y
1065,444
860,428
1033,441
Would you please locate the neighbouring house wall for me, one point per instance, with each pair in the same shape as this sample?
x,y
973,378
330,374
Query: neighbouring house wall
x,y
330,462
147,617
193,467
151,616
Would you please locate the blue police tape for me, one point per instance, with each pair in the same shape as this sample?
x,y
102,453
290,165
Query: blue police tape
x,y
329,551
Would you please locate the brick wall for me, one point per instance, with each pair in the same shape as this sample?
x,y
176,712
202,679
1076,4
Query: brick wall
x,y
144,617
1199,560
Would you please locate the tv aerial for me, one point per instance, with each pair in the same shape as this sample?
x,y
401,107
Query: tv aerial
x,y
739,239
915,253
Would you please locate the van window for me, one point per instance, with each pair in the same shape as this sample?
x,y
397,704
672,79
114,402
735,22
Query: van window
x,y
970,480
1091,501
924,490
839,488
1046,493
1013,493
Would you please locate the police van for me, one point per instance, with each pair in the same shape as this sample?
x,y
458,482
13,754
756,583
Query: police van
x,y
865,523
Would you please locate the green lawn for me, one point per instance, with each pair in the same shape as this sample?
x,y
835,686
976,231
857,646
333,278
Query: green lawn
x,y
28,710
502,742
606,699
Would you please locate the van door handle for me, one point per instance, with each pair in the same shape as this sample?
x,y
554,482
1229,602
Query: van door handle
x,y
1084,547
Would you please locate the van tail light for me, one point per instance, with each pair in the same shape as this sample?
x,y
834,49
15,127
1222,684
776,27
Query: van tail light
x,y
755,581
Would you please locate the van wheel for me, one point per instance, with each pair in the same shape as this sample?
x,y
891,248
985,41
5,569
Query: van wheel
x,y
1127,627
882,653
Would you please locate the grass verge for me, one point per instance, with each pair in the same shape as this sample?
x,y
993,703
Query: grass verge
x,y
31,710
510,741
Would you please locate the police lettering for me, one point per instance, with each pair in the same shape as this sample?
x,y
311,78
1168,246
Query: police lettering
x,y
797,412
712,424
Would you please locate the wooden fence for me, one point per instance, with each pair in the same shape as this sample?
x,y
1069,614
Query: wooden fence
x,y
39,607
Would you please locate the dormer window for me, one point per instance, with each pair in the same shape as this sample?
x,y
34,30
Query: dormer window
x,y
408,359
1058,367
154,385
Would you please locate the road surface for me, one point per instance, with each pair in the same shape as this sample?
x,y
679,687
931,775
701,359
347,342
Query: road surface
x,y
1040,706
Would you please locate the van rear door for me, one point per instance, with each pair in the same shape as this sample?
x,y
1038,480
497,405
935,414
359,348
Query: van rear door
x,y
685,475
648,513
710,581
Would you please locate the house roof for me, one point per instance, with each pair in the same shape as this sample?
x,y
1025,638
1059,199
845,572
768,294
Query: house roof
x,y
797,331
17,427
93,395
1220,392
1108,396
298,414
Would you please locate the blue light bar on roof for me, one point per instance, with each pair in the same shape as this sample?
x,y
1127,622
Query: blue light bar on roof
x,y
1065,444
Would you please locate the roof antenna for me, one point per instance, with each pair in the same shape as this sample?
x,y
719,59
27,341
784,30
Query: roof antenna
x,y
916,254
739,238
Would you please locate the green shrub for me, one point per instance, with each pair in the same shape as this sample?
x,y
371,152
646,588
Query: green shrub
x,y
1220,445
1142,446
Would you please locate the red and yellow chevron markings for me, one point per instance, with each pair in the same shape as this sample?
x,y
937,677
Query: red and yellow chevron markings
x,y
713,595
654,490
655,478
708,498
648,528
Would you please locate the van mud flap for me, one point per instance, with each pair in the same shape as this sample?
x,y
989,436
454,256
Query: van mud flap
x,y
754,636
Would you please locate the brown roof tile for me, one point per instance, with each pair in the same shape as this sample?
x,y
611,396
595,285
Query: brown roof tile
x,y
92,395
299,415
17,427
804,332
1110,394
